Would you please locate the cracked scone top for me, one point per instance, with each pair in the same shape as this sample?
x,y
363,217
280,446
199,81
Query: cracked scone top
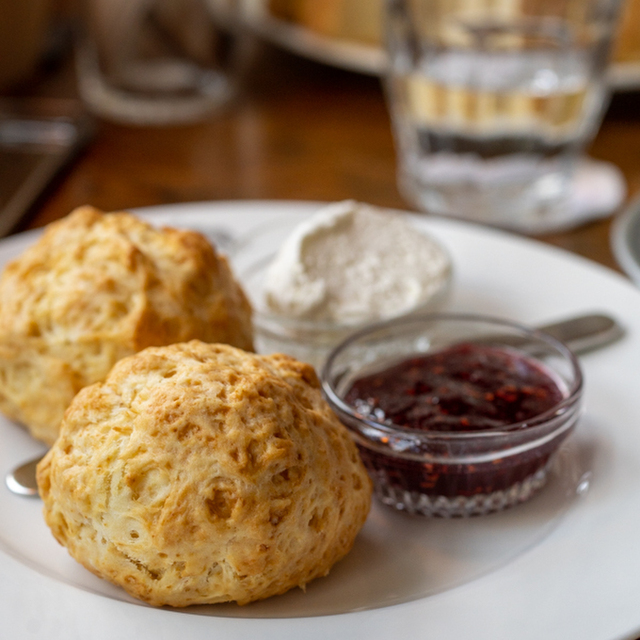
x,y
95,288
201,473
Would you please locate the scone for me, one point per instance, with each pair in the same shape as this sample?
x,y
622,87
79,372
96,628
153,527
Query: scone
x,y
199,473
95,288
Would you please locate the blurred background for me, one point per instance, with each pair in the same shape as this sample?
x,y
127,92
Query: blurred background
x,y
309,120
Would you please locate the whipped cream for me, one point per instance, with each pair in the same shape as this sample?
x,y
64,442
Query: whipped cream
x,y
352,263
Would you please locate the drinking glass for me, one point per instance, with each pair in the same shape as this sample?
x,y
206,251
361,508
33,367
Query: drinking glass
x,y
493,102
157,62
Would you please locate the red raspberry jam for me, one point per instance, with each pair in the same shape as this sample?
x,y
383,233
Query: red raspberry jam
x,y
465,388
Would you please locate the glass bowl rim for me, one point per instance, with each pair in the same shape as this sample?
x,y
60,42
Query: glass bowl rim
x,y
530,426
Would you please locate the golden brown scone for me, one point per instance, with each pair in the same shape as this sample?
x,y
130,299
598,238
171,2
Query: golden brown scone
x,y
200,473
95,288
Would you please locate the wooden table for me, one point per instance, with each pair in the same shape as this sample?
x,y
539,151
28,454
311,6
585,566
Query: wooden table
x,y
298,130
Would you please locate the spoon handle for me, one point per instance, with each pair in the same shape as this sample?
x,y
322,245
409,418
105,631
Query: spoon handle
x,y
585,333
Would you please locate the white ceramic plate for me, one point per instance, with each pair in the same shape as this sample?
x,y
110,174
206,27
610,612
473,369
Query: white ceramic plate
x,y
367,58
565,565
625,240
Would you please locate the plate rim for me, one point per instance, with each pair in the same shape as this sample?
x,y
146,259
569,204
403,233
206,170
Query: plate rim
x,y
622,228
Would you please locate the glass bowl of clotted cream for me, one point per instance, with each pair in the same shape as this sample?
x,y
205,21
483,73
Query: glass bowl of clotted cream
x,y
347,265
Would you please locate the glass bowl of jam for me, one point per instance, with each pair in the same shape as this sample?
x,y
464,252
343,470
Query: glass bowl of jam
x,y
455,415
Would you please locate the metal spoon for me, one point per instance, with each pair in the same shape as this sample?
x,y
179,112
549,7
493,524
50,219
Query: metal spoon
x,y
585,333
22,480
580,334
